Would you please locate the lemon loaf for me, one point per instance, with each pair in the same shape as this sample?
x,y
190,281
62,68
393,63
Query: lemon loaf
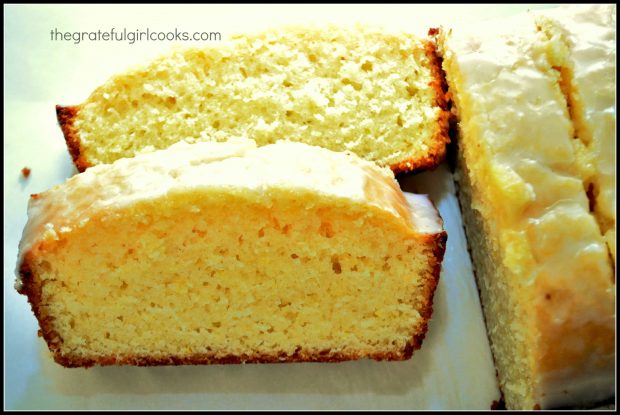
x,y
358,89
228,253
543,269
583,45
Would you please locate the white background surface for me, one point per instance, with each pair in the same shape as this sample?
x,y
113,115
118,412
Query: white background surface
x,y
453,369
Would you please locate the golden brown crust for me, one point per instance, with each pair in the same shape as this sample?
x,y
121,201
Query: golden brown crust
x,y
439,248
31,287
498,405
211,358
437,153
66,117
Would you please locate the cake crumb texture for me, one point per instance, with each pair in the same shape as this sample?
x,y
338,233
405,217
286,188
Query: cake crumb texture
x,y
359,89
165,259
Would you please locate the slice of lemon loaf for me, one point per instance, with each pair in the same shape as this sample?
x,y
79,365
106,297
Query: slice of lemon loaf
x,y
378,95
225,253
543,269
583,44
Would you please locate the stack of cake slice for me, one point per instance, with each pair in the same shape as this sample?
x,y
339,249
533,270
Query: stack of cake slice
x,y
223,252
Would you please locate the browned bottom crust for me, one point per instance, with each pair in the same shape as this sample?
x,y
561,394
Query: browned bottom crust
x,y
212,358
66,117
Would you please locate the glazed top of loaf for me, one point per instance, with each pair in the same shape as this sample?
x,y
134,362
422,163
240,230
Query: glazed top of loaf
x,y
590,34
517,138
236,167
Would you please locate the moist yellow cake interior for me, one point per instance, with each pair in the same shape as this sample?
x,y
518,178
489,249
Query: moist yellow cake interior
x,y
360,90
195,279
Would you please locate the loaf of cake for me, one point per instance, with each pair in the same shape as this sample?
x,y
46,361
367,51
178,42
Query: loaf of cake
x,y
357,89
543,269
229,253
582,43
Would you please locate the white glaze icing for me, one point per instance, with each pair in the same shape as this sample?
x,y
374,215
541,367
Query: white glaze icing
x,y
590,32
517,139
236,166
423,213
591,36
